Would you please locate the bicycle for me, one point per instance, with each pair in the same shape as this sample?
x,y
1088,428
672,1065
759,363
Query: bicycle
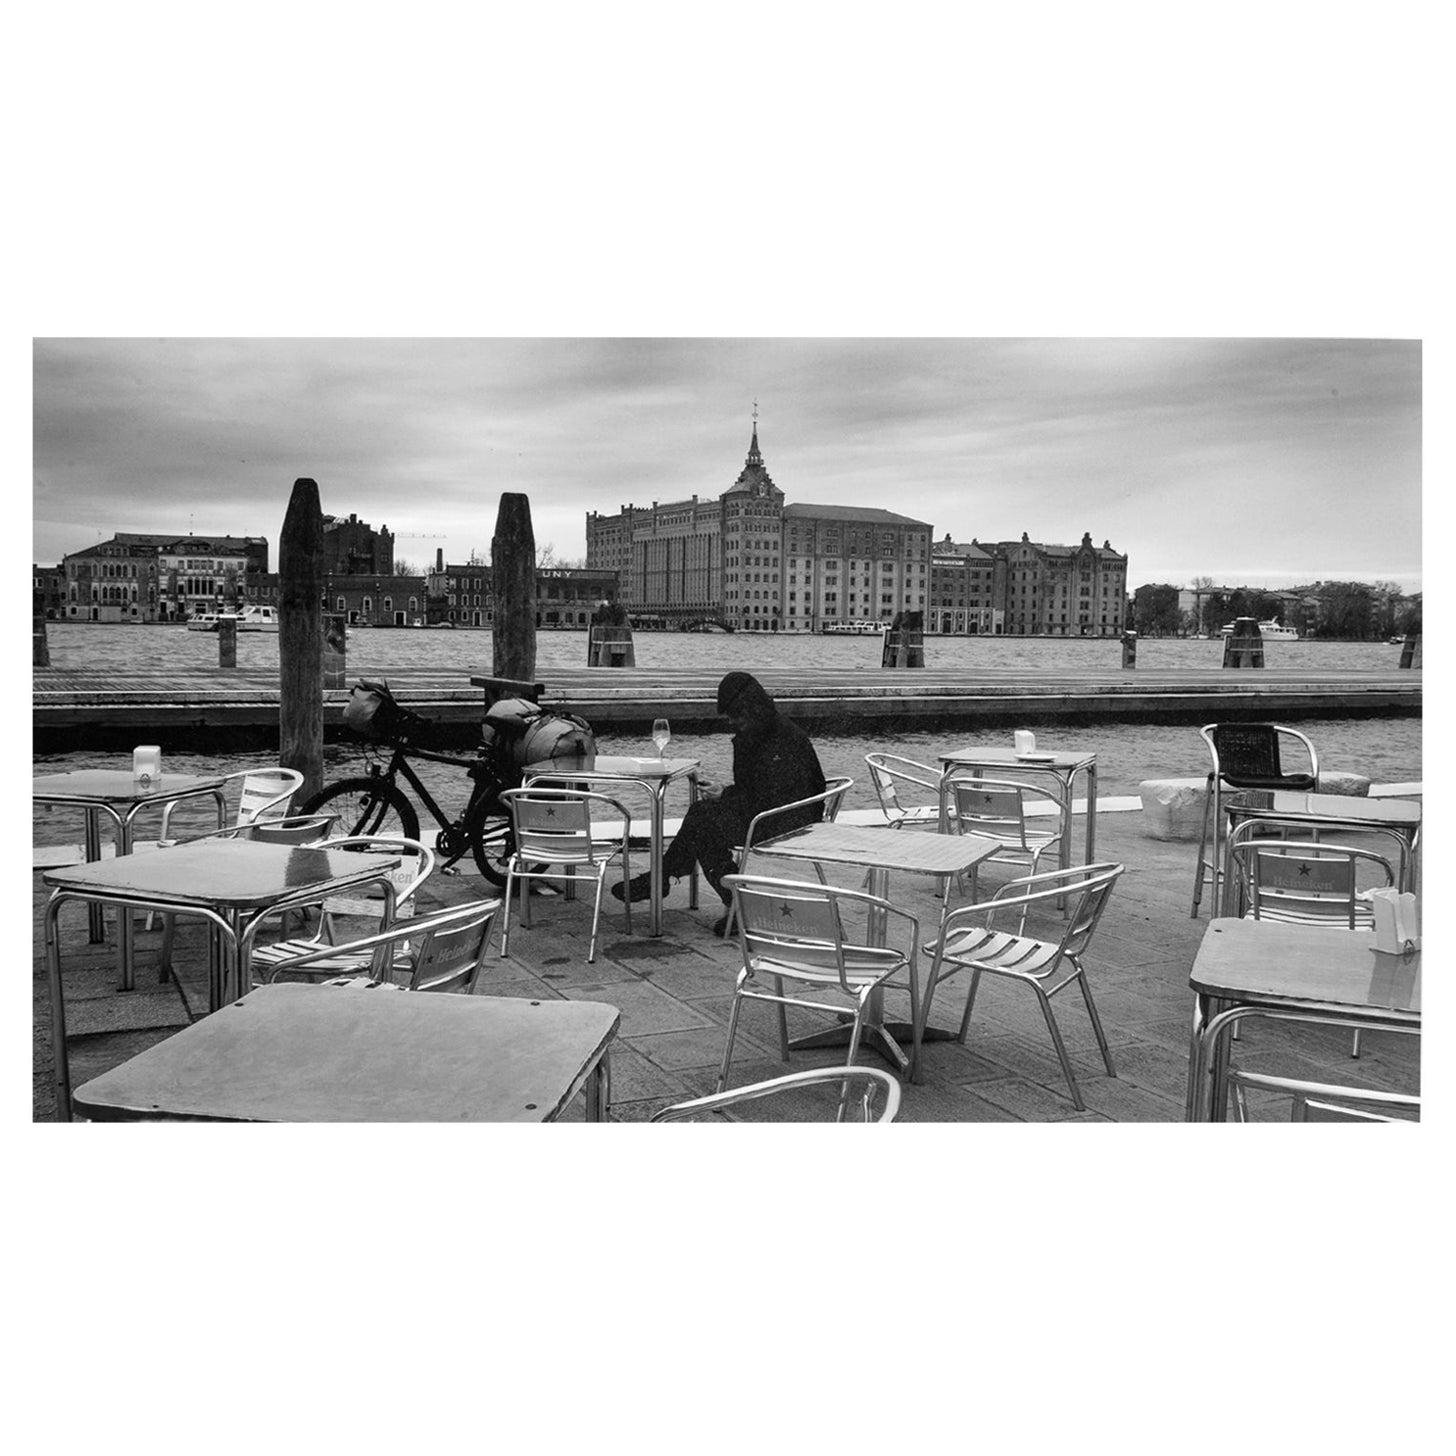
x,y
375,804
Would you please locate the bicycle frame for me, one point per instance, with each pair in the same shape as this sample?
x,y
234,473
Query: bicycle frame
x,y
480,794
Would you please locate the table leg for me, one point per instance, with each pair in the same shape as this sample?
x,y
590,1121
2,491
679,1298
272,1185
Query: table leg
x,y
125,939
60,1061
95,916
1092,813
654,918
599,1089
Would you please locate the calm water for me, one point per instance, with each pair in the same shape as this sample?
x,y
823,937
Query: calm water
x,y
1387,750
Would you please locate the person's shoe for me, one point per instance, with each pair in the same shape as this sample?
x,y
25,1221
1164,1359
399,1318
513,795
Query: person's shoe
x,y
720,926
639,887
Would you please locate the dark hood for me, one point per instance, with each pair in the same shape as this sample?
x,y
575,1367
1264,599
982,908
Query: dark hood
x,y
743,693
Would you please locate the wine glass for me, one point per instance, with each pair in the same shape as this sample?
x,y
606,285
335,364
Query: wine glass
x,y
661,735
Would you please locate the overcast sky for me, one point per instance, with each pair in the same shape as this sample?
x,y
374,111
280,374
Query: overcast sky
x,y
1251,461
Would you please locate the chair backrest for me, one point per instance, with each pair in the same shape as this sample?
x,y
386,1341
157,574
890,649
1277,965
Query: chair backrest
x,y
1306,883
414,869
303,829
865,1084
1092,892
997,808
555,825
1247,755
888,771
451,948
824,806
798,924
266,793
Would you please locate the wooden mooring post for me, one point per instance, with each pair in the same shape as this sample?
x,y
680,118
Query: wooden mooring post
x,y
1244,646
300,638
513,579
609,638
41,650
227,644
904,644
1410,650
1129,649
335,652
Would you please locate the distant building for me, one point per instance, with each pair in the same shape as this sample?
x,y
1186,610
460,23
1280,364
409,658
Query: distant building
x,y
962,590
48,590
155,578
353,548
758,564
1059,591
566,596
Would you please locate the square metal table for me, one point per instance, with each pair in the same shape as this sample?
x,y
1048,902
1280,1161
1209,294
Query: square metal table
x,y
119,795
1397,819
1007,763
233,884
652,775
300,1053
879,851
1288,973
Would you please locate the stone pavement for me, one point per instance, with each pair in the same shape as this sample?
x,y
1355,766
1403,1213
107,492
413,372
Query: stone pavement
x,y
674,996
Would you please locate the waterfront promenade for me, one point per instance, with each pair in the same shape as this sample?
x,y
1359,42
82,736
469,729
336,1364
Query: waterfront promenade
x,y
74,706
674,996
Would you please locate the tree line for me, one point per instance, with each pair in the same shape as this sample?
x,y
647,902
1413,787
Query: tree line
x,y
1344,610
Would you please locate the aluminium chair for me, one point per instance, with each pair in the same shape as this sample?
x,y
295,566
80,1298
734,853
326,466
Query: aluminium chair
x,y
330,951
970,939
442,951
1306,882
557,839
781,819
1245,756
894,776
824,942
866,1082
1012,814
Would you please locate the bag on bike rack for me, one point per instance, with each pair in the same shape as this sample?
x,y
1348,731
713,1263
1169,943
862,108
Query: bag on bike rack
x,y
518,731
369,709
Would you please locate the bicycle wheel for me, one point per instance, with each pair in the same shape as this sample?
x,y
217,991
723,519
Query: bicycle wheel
x,y
492,844
367,806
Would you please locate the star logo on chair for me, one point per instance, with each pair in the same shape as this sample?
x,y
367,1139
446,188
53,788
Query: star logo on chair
x,y
986,799
550,813
786,911
1304,872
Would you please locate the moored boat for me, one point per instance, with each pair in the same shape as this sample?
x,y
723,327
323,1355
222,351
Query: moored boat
x,y
854,629
1270,631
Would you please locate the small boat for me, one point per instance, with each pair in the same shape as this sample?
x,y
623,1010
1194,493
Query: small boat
x,y
250,619
1270,631
854,629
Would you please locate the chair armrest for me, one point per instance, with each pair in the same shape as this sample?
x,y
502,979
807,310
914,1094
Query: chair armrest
x,y
814,1077
419,925
752,833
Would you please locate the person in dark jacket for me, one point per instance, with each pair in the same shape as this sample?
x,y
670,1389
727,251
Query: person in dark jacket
x,y
773,763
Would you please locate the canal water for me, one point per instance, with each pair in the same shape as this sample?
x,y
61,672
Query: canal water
x,y
1386,750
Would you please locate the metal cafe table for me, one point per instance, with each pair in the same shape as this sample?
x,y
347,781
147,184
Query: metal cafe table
x,y
233,884
1398,819
1008,763
121,796
1288,973
864,847
301,1053
652,775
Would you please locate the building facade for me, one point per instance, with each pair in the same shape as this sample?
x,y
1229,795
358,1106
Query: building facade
x,y
1060,591
750,560
354,548
962,590
566,596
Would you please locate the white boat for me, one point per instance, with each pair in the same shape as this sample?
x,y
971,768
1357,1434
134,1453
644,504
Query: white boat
x,y
855,629
250,619
1270,631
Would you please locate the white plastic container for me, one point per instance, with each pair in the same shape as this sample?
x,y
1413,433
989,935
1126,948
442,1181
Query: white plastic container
x,y
146,765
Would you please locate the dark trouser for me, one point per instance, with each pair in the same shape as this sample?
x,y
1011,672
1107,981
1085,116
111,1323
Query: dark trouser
x,y
711,830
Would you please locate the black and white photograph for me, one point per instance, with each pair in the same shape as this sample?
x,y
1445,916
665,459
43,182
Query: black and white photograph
x,y
617,596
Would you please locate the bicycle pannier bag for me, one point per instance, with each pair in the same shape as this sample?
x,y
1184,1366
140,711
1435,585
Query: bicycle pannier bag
x,y
369,708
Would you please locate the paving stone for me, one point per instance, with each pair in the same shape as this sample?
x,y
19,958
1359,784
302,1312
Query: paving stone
x,y
1030,1101
126,1011
644,1008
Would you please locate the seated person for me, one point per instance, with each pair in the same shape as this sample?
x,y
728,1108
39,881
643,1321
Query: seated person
x,y
773,763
